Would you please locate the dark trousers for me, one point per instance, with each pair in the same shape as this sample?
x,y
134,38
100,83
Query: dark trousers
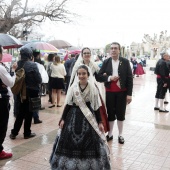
x,y
116,105
160,92
67,82
24,114
43,88
36,115
4,116
16,105
50,89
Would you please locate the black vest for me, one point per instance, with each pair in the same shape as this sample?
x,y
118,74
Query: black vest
x,y
3,90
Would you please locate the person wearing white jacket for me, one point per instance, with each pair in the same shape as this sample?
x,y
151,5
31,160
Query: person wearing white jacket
x,y
7,80
45,79
43,73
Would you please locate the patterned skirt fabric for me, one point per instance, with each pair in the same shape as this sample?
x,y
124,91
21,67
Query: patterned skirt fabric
x,y
78,147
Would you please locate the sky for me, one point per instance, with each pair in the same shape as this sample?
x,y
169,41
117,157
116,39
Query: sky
x,y
105,21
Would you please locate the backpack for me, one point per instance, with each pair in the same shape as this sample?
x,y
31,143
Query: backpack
x,y
19,85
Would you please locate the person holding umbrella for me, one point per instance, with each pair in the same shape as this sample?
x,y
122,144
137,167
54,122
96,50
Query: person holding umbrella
x,y
6,80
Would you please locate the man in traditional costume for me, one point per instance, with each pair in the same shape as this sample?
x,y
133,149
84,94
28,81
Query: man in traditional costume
x,y
162,72
117,75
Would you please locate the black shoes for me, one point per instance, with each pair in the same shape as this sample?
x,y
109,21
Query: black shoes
x,y
12,136
51,106
37,121
42,108
59,105
30,136
121,140
25,137
156,108
109,138
164,111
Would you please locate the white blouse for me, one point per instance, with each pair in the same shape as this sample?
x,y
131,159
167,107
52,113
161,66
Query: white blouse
x,y
58,71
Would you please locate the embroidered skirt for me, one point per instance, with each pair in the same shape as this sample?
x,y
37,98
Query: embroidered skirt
x,y
79,147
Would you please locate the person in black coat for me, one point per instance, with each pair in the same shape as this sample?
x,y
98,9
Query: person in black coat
x,y
162,72
166,94
117,75
32,80
67,65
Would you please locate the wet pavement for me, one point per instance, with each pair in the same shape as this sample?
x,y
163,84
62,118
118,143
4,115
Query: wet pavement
x,y
146,133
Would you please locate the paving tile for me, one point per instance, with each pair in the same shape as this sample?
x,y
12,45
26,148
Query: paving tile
x,y
146,133
151,159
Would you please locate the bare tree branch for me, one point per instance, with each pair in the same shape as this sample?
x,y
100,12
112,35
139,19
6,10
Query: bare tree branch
x,y
162,41
16,13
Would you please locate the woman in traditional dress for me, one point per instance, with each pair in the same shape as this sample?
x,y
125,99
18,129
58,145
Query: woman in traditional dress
x,y
82,143
86,59
139,69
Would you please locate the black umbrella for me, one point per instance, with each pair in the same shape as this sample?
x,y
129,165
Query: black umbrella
x,y
8,41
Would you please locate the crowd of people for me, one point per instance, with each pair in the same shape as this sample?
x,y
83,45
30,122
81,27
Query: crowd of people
x,y
84,124
97,93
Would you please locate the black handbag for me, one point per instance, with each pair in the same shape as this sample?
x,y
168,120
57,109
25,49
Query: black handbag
x,y
34,104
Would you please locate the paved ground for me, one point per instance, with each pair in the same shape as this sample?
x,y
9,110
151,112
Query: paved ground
x,y
146,132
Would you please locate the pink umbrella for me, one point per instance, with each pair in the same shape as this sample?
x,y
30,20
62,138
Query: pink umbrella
x,y
41,47
72,52
75,52
6,58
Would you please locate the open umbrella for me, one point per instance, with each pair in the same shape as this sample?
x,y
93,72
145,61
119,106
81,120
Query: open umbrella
x,y
41,47
73,48
60,44
8,41
6,58
75,52
72,52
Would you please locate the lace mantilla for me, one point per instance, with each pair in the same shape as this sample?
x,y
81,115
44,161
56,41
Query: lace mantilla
x,y
90,94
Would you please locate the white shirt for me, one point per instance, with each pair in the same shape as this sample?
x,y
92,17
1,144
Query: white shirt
x,y
115,65
131,65
43,73
58,70
7,79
